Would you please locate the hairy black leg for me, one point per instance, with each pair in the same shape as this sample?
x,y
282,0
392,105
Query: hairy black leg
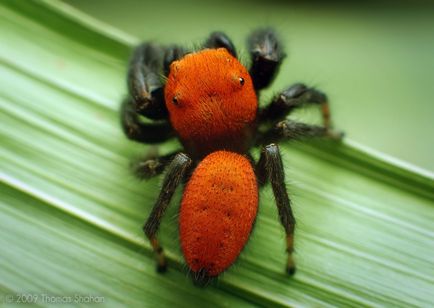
x,y
219,39
144,81
175,173
267,55
270,167
171,54
260,171
292,130
295,96
136,130
152,164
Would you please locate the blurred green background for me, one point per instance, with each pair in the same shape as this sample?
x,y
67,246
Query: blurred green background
x,y
374,60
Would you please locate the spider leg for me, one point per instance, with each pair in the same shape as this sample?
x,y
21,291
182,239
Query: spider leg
x,y
152,164
219,39
144,81
171,54
175,173
270,167
267,55
292,130
295,96
136,130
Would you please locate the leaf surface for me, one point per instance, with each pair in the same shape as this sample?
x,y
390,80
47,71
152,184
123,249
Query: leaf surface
x,y
71,213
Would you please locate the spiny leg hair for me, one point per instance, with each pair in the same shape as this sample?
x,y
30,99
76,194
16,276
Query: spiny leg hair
x,y
270,168
295,96
174,175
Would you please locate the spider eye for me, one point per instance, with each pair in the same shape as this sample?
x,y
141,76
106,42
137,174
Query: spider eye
x,y
175,101
241,79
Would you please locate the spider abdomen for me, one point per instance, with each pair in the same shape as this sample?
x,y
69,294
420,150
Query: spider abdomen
x,y
218,209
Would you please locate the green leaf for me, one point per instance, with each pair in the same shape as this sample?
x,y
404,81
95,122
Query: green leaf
x,y
71,213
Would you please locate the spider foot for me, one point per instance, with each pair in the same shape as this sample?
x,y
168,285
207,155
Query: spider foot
x,y
201,278
290,266
147,169
161,267
334,134
148,166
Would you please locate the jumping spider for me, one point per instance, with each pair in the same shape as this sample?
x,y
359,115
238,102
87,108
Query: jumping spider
x,y
209,101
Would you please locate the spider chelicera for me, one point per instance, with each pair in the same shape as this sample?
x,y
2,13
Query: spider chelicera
x,y
209,101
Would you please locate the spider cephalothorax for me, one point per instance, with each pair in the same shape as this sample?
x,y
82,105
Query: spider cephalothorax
x,y
209,101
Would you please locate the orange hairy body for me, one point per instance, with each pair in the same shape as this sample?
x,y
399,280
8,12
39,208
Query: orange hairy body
x,y
211,102
217,212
